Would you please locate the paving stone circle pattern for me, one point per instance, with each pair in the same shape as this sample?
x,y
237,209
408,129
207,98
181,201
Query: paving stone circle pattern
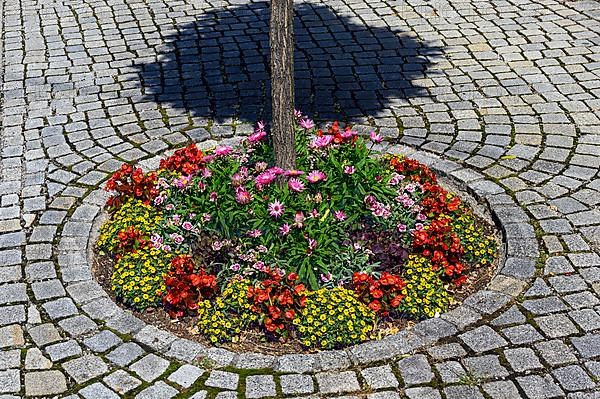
x,y
501,96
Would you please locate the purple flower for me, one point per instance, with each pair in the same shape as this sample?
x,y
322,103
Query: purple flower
x,y
187,226
297,114
340,215
257,136
314,213
276,209
213,196
316,176
242,196
349,169
307,124
177,238
401,227
265,178
156,239
159,200
206,217
206,173
296,185
255,233
201,186
223,151
235,267
421,217
285,229
419,226
326,277
322,141
375,137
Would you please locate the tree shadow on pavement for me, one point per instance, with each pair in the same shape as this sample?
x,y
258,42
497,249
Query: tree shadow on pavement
x,y
218,66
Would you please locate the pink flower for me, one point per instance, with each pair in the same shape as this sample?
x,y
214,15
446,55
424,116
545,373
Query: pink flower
x,y
340,215
187,226
156,239
217,245
312,245
297,114
299,219
419,226
296,185
375,137
348,134
421,217
213,196
159,200
349,169
260,265
326,277
276,209
316,176
170,207
293,173
256,137
223,151
206,173
178,239
265,178
276,170
285,229
176,220
260,125
314,213
321,141
237,179
206,217
242,196
201,186
255,233
401,227
235,267
307,124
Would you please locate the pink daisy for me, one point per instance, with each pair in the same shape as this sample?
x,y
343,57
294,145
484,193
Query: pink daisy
x,y
316,176
276,209
296,185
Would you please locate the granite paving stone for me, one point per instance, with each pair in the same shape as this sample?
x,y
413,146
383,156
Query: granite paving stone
x,y
500,98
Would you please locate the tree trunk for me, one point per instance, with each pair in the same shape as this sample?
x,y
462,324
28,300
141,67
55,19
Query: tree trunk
x,y
281,40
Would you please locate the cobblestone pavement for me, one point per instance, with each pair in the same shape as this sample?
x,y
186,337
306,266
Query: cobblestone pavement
x,y
501,95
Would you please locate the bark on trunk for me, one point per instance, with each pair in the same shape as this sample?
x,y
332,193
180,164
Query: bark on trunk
x,y
281,38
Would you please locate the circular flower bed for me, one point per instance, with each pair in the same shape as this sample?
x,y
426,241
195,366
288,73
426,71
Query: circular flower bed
x,y
324,255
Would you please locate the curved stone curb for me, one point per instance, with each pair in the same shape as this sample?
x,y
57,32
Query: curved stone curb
x,y
513,276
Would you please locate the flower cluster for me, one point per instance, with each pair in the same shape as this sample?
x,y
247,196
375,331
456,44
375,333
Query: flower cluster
x,y
225,318
129,182
187,160
318,253
129,228
425,294
138,277
185,286
276,299
333,318
383,294
479,248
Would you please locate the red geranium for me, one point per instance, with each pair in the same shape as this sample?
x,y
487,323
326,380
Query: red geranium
x,y
186,286
186,160
382,295
130,182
